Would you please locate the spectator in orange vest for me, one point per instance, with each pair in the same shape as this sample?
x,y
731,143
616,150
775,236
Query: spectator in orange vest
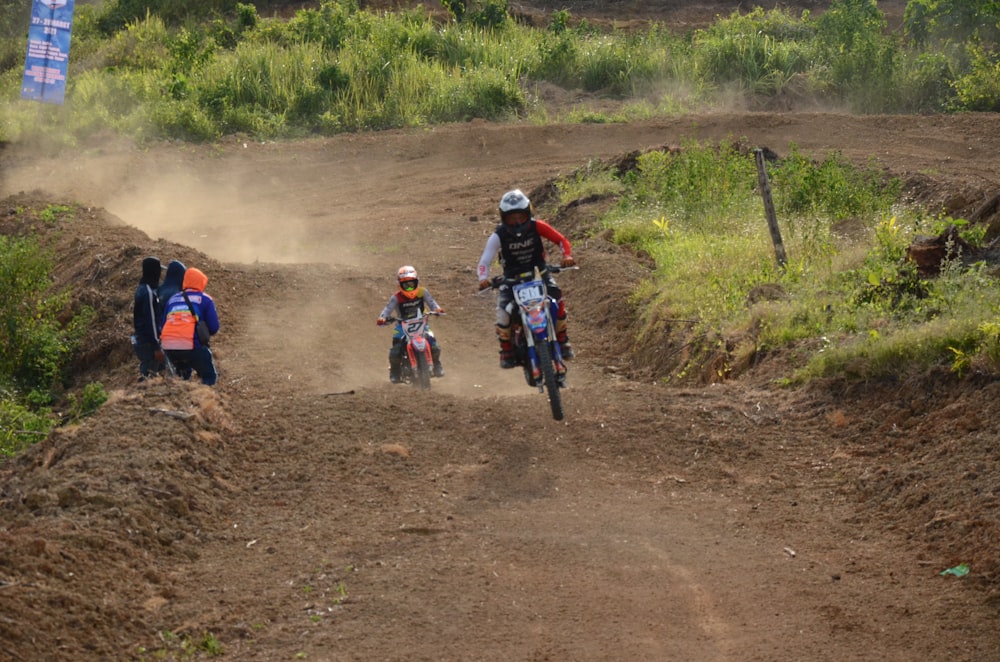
x,y
185,345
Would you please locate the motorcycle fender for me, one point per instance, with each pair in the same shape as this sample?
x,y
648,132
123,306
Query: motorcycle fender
x,y
419,344
411,355
537,320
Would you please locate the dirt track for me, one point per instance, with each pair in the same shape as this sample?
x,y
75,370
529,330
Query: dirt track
x,y
309,507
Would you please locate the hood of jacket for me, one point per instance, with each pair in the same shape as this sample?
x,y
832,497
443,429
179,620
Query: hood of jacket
x,y
151,271
194,279
175,274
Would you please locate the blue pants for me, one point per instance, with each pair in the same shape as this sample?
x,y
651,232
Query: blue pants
x,y
199,360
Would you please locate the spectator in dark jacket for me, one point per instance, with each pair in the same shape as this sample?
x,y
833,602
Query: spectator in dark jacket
x,y
146,313
173,281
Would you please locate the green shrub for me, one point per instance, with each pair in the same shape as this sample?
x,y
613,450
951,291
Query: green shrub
x,y
696,212
979,89
860,57
833,187
557,58
759,51
695,184
21,426
328,26
480,13
936,22
118,13
923,83
142,44
90,399
35,348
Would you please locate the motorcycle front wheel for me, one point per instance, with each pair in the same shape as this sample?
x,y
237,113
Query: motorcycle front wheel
x,y
548,369
422,378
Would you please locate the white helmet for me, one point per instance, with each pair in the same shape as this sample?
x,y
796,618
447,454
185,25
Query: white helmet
x,y
514,201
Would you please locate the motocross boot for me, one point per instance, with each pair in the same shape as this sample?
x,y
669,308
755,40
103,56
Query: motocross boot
x,y
507,355
395,364
563,338
438,370
507,360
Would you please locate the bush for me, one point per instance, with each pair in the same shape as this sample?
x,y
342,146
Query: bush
x,y
92,397
833,187
119,13
21,427
759,52
860,57
979,89
697,213
923,83
35,348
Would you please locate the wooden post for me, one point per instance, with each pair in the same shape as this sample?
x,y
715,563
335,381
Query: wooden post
x,y
772,219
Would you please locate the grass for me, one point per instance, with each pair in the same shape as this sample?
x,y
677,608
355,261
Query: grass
x,y
340,68
39,333
847,302
183,647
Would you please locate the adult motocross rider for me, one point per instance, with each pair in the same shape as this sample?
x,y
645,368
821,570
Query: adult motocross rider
x,y
518,241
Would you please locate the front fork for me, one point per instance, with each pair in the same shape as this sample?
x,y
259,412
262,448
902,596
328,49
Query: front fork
x,y
411,354
542,332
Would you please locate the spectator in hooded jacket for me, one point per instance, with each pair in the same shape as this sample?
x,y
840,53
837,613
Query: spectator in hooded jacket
x,y
180,318
145,320
173,281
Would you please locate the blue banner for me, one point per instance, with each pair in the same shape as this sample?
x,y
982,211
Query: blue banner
x,y
48,51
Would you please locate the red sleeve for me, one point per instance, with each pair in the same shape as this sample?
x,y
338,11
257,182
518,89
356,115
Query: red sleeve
x,y
553,235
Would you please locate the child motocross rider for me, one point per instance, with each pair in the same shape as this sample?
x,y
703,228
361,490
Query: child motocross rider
x,y
405,304
518,240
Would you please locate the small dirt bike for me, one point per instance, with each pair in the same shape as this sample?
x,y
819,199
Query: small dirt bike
x,y
418,358
533,333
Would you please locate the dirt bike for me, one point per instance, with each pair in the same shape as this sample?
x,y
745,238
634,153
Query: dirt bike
x,y
418,358
533,333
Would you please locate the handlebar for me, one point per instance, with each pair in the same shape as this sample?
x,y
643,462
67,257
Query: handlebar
x,y
498,281
393,320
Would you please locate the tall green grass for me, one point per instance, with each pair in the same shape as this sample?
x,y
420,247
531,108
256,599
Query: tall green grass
x,y
847,300
341,68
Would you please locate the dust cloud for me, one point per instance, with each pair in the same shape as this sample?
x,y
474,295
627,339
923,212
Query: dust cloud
x,y
230,221
213,205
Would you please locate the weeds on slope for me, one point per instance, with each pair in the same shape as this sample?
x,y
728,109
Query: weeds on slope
x,y
846,302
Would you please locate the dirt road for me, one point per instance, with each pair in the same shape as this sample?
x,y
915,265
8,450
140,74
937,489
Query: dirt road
x,y
306,509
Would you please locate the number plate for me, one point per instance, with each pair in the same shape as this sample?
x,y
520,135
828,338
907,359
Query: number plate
x,y
528,292
413,327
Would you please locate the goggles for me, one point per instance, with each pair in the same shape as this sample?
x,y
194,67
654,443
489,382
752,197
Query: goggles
x,y
516,217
